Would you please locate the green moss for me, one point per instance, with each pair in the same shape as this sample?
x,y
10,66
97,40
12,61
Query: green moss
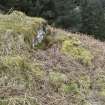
x,y
21,24
69,88
73,47
56,78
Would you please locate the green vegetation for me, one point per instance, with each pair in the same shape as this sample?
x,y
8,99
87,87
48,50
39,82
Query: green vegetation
x,y
57,79
86,16
20,63
100,84
64,68
19,101
21,26
93,18
82,85
85,84
74,48
69,88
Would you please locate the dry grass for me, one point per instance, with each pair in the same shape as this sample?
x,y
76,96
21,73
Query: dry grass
x,y
49,77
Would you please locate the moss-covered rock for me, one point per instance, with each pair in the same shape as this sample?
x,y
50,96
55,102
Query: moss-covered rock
x,y
72,46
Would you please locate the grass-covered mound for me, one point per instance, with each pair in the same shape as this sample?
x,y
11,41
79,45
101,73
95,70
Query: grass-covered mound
x,y
63,69
20,28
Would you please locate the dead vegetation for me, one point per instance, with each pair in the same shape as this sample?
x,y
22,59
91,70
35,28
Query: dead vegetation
x,y
67,70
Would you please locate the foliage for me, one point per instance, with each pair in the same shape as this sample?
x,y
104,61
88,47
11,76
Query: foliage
x,y
59,12
84,16
42,8
68,16
93,18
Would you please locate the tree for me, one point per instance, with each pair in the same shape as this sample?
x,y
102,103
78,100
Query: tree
x,y
40,8
67,15
93,22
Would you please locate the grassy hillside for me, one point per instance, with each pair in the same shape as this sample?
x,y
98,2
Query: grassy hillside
x,y
60,69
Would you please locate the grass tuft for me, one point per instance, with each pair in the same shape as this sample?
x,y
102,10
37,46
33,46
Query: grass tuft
x,y
73,47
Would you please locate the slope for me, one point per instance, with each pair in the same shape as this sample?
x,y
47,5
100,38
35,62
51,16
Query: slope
x,y
41,65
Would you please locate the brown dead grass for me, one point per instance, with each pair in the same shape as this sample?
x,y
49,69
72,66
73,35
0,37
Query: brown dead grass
x,y
22,85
